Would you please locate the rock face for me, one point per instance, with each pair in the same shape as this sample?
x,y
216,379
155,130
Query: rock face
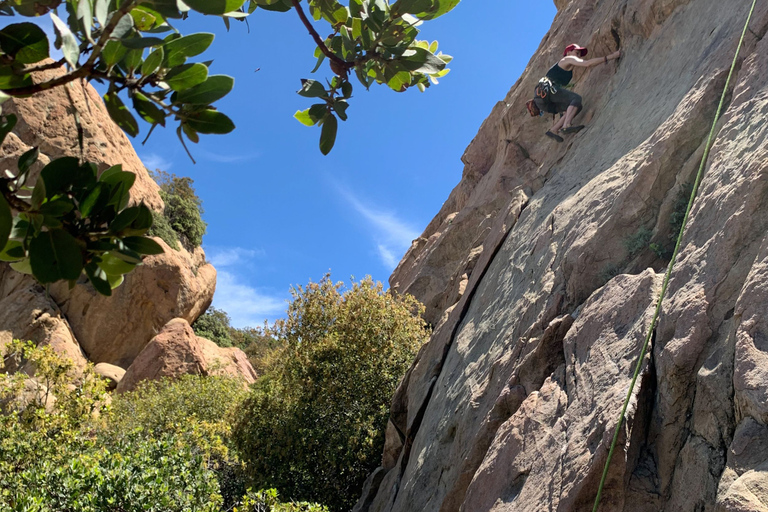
x,y
26,314
114,330
176,351
539,278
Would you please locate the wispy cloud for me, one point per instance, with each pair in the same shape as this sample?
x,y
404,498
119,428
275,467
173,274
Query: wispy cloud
x,y
226,158
391,234
228,256
154,161
246,305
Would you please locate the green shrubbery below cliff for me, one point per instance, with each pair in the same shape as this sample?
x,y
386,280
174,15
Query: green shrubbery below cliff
x,y
312,427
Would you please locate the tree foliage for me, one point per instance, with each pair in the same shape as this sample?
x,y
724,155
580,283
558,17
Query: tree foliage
x,y
183,208
313,426
74,221
164,447
259,344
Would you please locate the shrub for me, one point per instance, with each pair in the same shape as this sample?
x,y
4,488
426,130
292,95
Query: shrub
x,y
214,325
313,425
259,344
638,242
183,209
162,228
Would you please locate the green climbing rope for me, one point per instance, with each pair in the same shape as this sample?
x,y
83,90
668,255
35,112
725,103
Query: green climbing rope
x,y
671,263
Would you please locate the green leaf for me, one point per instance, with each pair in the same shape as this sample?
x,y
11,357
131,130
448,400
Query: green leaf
x,y
153,62
120,114
6,222
101,11
38,194
6,125
340,107
419,60
304,118
85,16
124,25
26,43
127,255
143,219
124,219
148,110
210,121
27,160
143,19
64,174
57,208
216,7
178,50
10,80
186,76
88,204
346,90
328,133
98,279
113,52
69,46
13,251
132,59
142,245
22,266
135,43
55,255
311,89
113,265
214,88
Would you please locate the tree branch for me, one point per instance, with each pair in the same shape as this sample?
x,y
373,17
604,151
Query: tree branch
x,y
83,71
319,40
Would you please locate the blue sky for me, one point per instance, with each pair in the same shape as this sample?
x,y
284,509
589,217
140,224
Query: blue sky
x,y
280,213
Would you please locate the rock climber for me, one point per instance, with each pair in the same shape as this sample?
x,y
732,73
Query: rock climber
x,y
552,95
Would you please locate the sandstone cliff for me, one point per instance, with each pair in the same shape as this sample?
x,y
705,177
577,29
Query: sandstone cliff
x,y
539,279
80,323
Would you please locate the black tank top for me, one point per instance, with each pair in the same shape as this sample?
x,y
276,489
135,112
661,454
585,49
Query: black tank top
x,y
559,76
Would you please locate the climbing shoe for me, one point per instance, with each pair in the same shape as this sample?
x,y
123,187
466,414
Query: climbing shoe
x,y
554,136
573,129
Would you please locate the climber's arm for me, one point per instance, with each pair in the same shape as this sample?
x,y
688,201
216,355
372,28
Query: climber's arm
x,y
571,62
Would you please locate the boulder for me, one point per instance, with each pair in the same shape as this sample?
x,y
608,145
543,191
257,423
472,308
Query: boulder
x,y
176,351
27,314
114,330
174,284
111,373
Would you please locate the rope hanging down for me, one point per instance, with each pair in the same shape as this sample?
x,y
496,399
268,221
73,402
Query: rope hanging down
x,y
671,262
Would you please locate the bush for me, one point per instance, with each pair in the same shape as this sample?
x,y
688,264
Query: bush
x,y
51,458
214,325
183,209
313,425
258,344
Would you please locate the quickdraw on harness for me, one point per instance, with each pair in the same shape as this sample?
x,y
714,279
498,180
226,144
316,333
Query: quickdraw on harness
x,y
545,87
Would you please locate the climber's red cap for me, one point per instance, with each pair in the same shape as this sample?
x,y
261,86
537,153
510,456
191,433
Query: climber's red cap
x,y
571,47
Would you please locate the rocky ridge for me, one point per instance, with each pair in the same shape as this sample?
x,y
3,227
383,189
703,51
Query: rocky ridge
x,y
79,323
539,277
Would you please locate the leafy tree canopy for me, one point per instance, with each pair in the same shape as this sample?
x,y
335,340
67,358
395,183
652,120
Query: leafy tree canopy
x,y
313,425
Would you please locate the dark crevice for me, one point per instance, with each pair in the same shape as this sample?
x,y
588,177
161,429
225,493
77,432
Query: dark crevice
x,y
469,294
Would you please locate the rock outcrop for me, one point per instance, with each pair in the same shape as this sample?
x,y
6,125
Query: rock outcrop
x,y
539,276
80,322
176,351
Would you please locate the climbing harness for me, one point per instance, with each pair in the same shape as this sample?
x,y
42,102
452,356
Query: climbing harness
x,y
671,262
545,87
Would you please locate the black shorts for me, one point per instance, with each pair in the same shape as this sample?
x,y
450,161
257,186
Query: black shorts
x,y
559,102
